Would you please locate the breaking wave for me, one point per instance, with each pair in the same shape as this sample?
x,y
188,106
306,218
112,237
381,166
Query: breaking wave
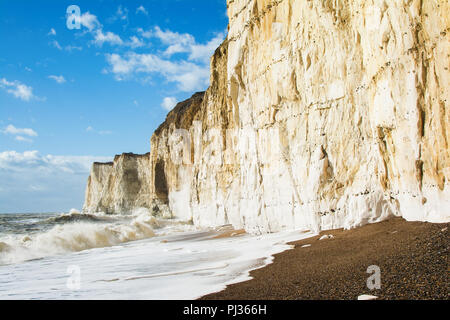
x,y
76,217
4,247
77,232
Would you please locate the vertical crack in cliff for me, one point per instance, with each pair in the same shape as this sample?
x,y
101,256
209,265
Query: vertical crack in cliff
x,y
161,190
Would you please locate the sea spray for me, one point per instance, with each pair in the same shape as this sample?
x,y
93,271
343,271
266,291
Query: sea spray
x,y
76,232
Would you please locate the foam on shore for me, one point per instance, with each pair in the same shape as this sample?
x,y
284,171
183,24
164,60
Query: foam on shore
x,y
185,265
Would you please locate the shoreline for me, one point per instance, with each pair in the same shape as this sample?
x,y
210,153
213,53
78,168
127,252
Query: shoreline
x,y
412,256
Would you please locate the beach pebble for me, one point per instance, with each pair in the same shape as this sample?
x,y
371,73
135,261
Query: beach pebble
x,y
367,297
327,237
306,246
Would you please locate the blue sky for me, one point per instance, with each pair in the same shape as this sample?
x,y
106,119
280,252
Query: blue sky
x,y
72,96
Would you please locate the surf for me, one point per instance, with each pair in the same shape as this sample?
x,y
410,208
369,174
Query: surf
x,y
75,232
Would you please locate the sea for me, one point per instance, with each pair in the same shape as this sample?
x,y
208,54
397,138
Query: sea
x,y
75,256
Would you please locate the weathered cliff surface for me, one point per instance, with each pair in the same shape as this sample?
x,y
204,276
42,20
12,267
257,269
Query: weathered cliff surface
x,y
120,186
320,114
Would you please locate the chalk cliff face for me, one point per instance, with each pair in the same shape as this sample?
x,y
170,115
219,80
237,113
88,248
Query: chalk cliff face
x,y
320,114
119,186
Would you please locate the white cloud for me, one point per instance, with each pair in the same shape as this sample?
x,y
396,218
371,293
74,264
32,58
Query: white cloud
x,y
37,188
189,73
23,139
58,79
146,34
179,43
18,89
175,42
19,131
101,132
113,39
52,32
122,13
175,48
203,52
16,161
100,36
42,183
170,37
169,103
135,42
89,21
120,66
142,10
109,37
195,79
12,158
57,45
72,48
189,76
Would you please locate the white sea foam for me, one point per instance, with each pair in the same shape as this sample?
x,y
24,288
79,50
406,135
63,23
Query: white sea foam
x,y
4,247
185,265
133,256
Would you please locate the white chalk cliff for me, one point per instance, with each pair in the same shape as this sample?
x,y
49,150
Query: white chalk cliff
x,y
119,186
320,114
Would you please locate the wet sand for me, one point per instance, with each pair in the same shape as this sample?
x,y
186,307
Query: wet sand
x,y
412,256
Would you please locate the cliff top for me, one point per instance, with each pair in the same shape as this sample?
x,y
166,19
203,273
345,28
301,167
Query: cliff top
x,y
183,112
103,163
131,155
127,155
